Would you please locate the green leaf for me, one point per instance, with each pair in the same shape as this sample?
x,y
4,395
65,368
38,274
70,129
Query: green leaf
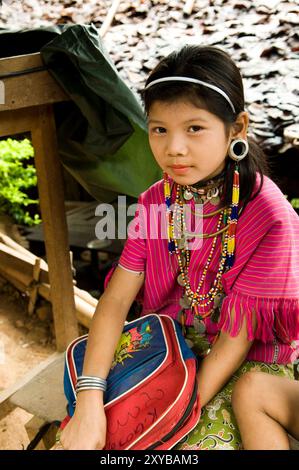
x,y
295,203
17,175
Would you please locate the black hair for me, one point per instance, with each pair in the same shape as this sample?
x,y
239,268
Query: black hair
x,y
212,65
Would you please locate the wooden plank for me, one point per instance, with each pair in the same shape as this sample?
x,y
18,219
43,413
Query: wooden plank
x,y
19,248
8,392
51,195
18,284
15,122
5,409
40,391
19,91
43,395
85,305
20,62
10,252
19,263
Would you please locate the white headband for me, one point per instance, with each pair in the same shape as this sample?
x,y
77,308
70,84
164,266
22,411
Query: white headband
x,y
192,80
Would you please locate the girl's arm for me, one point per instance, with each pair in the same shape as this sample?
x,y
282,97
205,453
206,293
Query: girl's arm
x,y
87,428
108,321
225,357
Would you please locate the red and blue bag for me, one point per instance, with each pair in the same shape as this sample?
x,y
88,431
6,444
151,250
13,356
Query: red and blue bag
x,y
151,401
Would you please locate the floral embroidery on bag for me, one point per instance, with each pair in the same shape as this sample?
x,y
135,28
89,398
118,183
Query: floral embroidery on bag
x,y
130,342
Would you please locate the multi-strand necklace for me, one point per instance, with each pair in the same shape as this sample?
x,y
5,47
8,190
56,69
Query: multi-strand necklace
x,y
205,192
195,299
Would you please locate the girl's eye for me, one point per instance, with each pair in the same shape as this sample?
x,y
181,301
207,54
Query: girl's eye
x,y
195,129
158,130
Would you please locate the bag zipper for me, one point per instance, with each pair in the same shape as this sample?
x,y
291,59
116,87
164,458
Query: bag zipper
x,y
180,422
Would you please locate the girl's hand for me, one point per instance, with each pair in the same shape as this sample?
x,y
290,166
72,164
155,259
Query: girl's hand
x,y
87,428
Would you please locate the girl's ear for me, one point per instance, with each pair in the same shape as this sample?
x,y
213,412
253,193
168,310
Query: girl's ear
x,y
240,126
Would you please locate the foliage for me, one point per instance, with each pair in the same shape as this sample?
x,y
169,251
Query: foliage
x,y
295,203
16,177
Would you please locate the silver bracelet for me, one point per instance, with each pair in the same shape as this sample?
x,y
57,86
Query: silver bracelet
x,y
89,382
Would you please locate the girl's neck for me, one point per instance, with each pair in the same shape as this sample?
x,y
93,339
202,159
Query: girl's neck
x,y
210,180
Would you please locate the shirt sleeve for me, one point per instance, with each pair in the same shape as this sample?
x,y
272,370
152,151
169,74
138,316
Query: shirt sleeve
x,y
263,285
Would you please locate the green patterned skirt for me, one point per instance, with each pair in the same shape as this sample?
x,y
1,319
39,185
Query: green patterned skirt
x,y
217,428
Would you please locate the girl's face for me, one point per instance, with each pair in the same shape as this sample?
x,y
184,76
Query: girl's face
x,y
189,143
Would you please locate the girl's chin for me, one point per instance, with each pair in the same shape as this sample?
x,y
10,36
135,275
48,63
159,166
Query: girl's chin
x,y
187,179
190,177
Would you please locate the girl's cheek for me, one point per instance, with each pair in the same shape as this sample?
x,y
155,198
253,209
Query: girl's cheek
x,y
155,149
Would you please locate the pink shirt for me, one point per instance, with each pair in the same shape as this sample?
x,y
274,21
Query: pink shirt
x,y
263,279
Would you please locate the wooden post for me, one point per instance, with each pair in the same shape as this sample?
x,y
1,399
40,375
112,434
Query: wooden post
x,y
50,186
28,107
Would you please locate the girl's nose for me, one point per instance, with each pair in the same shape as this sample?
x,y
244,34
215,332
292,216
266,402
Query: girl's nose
x,y
176,146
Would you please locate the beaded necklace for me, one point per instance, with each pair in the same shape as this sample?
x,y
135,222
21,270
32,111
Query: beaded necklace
x,y
227,216
209,193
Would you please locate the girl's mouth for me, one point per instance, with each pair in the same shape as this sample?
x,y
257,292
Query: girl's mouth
x,y
180,169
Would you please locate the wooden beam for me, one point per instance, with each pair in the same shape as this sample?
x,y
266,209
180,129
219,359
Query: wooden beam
x,y
15,122
23,266
28,89
85,306
14,394
32,89
11,252
20,264
20,62
15,282
51,195
9,242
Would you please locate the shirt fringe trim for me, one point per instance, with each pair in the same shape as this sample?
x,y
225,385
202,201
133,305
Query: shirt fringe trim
x,y
274,317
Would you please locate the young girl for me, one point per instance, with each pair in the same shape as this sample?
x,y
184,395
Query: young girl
x,y
233,283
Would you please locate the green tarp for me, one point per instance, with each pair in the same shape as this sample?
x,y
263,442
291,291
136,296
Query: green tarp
x,y
102,133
